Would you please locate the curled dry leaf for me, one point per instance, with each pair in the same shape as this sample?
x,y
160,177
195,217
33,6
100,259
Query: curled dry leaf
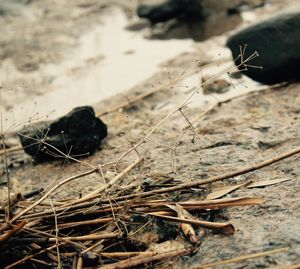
x,y
186,228
189,232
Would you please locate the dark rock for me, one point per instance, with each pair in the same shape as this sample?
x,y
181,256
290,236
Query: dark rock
x,y
277,42
162,12
200,19
190,10
77,133
218,86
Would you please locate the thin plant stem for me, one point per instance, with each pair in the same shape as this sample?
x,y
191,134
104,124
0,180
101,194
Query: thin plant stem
x,y
56,234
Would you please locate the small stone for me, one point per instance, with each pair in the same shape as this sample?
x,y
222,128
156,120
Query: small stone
x,y
217,86
79,133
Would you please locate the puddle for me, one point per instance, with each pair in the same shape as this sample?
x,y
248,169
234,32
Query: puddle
x,y
109,60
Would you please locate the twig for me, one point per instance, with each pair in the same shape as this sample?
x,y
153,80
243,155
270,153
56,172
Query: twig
x,y
142,96
27,258
54,188
152,205
217,104
109,184
130,102
40,262
225,228
293,266
79,262
8,183
6,174
124,254
12,232
74,262
190,124
146,258
186,101
242,258
198,182
50,238
88,237
9,150
86,222
56,234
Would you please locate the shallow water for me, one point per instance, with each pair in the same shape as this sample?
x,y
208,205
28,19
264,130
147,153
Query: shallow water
x,y
108,60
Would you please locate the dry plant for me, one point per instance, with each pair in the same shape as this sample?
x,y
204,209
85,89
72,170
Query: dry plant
x,y
5,131
101,229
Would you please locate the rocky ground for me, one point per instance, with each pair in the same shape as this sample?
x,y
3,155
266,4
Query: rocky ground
x,y
238,133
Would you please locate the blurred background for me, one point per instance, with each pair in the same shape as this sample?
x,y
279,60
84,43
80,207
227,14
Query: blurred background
x,y
58,54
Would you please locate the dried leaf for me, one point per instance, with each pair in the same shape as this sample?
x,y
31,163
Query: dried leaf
x,y
184,213
221,203
188,232
181,212
173,207
264,183
186,228
200,204
221,192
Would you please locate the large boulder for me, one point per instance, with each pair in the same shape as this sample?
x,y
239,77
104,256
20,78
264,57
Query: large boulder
x,y
77,133
277,41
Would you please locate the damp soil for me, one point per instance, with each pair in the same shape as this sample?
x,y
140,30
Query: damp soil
x,y
242,131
